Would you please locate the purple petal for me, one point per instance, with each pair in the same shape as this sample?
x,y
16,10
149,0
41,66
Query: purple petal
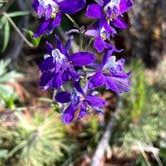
x,y
82,58
48,12
68,114
71,6
121,75
111,84
118,84
106,56
59,45
94,11
119,23
42,28
57,19
48,26
95,101
109,30
123,84
57,81
82,113
99,44
100,2
78,87
45,80
35,5
63,97
40,11
66,76
106,2
96,80
54,23
125,5
46,64
92,32
49,47
106,26
109,53
74,75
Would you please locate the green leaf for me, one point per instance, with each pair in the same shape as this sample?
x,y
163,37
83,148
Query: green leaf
x,y
18,13
2,21
44,99
163,153
4,64
6,35
7,96
35,41
55,108
3,153
10,76
6,91
1,3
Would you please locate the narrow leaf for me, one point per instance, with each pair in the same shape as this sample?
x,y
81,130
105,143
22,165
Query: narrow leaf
x,y
18,13
6,35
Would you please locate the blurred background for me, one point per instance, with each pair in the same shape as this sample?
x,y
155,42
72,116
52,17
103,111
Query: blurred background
x,y
132,131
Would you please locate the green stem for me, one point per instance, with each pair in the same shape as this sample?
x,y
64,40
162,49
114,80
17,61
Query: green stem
x,y
89,43
81,41
78,27
73,21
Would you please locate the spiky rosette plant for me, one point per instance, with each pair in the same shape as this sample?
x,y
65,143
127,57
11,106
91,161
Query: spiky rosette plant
x,y
38,140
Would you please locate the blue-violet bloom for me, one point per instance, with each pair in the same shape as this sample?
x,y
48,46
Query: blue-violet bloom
x,y
80,99
53,10
108,13
59,65
111,75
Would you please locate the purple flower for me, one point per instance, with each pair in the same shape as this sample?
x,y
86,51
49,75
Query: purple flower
x,y
59,66
108,9
53,10
108,13
101,33
111,75
79,100
74,77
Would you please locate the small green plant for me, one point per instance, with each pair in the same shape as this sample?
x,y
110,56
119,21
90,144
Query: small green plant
x,y
37,140
143,118
92,131
7,93
136,98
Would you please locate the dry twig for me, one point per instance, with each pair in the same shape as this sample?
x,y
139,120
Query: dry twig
x,y
104,142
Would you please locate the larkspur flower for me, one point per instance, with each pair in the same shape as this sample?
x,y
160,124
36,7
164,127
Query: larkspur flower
x,y
108,10
60,69
101,33
80,99
59,66
108,13
53,11
111,75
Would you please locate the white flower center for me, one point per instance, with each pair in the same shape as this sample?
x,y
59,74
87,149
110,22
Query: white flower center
x,y
112,4
45,3
58,56
113,7
103,33
111,63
